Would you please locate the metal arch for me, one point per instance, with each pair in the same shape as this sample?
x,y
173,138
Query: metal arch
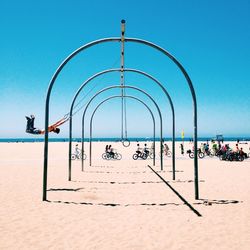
x,y
52,81
191,87
119,86
172,110
118,96
127,70
51,84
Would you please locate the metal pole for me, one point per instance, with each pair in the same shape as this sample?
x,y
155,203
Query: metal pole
x,y
90,148
122,77
83,139
70,146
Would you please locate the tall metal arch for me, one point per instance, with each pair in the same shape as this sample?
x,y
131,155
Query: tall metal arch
x,y
98,93
107,99
85,83
118,39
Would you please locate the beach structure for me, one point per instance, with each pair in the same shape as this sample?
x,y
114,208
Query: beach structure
x,y
164,90
83,119
219,138
99,105
122,85
127,87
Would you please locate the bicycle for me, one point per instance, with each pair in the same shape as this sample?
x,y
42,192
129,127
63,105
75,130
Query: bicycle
x,y
199,152
209,152
231,156
111,155
78,156
167,153
139,154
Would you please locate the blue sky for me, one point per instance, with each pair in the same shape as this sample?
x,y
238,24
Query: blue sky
x,y
210,38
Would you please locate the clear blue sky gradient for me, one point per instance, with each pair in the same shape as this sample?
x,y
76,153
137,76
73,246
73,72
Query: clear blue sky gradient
x,y
210,38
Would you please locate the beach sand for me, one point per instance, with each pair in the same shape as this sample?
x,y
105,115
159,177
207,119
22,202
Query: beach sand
x,y
121,204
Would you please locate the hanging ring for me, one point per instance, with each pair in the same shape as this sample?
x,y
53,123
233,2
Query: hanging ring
x,y
126,143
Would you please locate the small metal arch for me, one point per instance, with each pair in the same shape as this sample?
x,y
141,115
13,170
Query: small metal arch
x,y
118,96
85,83
112,87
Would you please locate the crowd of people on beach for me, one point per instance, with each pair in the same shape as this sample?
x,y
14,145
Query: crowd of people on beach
x,y
212,148
223,150
208,148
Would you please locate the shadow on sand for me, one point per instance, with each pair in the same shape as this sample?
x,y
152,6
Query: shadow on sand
x,y
112,204
209,202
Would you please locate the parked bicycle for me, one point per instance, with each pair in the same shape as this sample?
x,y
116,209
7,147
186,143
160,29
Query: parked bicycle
x,y
211,152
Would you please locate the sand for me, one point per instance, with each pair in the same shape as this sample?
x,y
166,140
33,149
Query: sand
x,y
120,204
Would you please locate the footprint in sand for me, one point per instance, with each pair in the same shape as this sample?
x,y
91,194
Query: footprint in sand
x,y
90,197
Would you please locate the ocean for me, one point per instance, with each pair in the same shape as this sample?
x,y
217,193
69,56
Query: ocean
x,y
23,140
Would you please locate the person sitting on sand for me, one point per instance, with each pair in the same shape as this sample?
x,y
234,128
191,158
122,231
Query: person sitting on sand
x,y
32,130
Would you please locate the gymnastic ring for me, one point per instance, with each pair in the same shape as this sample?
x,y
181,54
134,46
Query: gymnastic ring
x,y
125,143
